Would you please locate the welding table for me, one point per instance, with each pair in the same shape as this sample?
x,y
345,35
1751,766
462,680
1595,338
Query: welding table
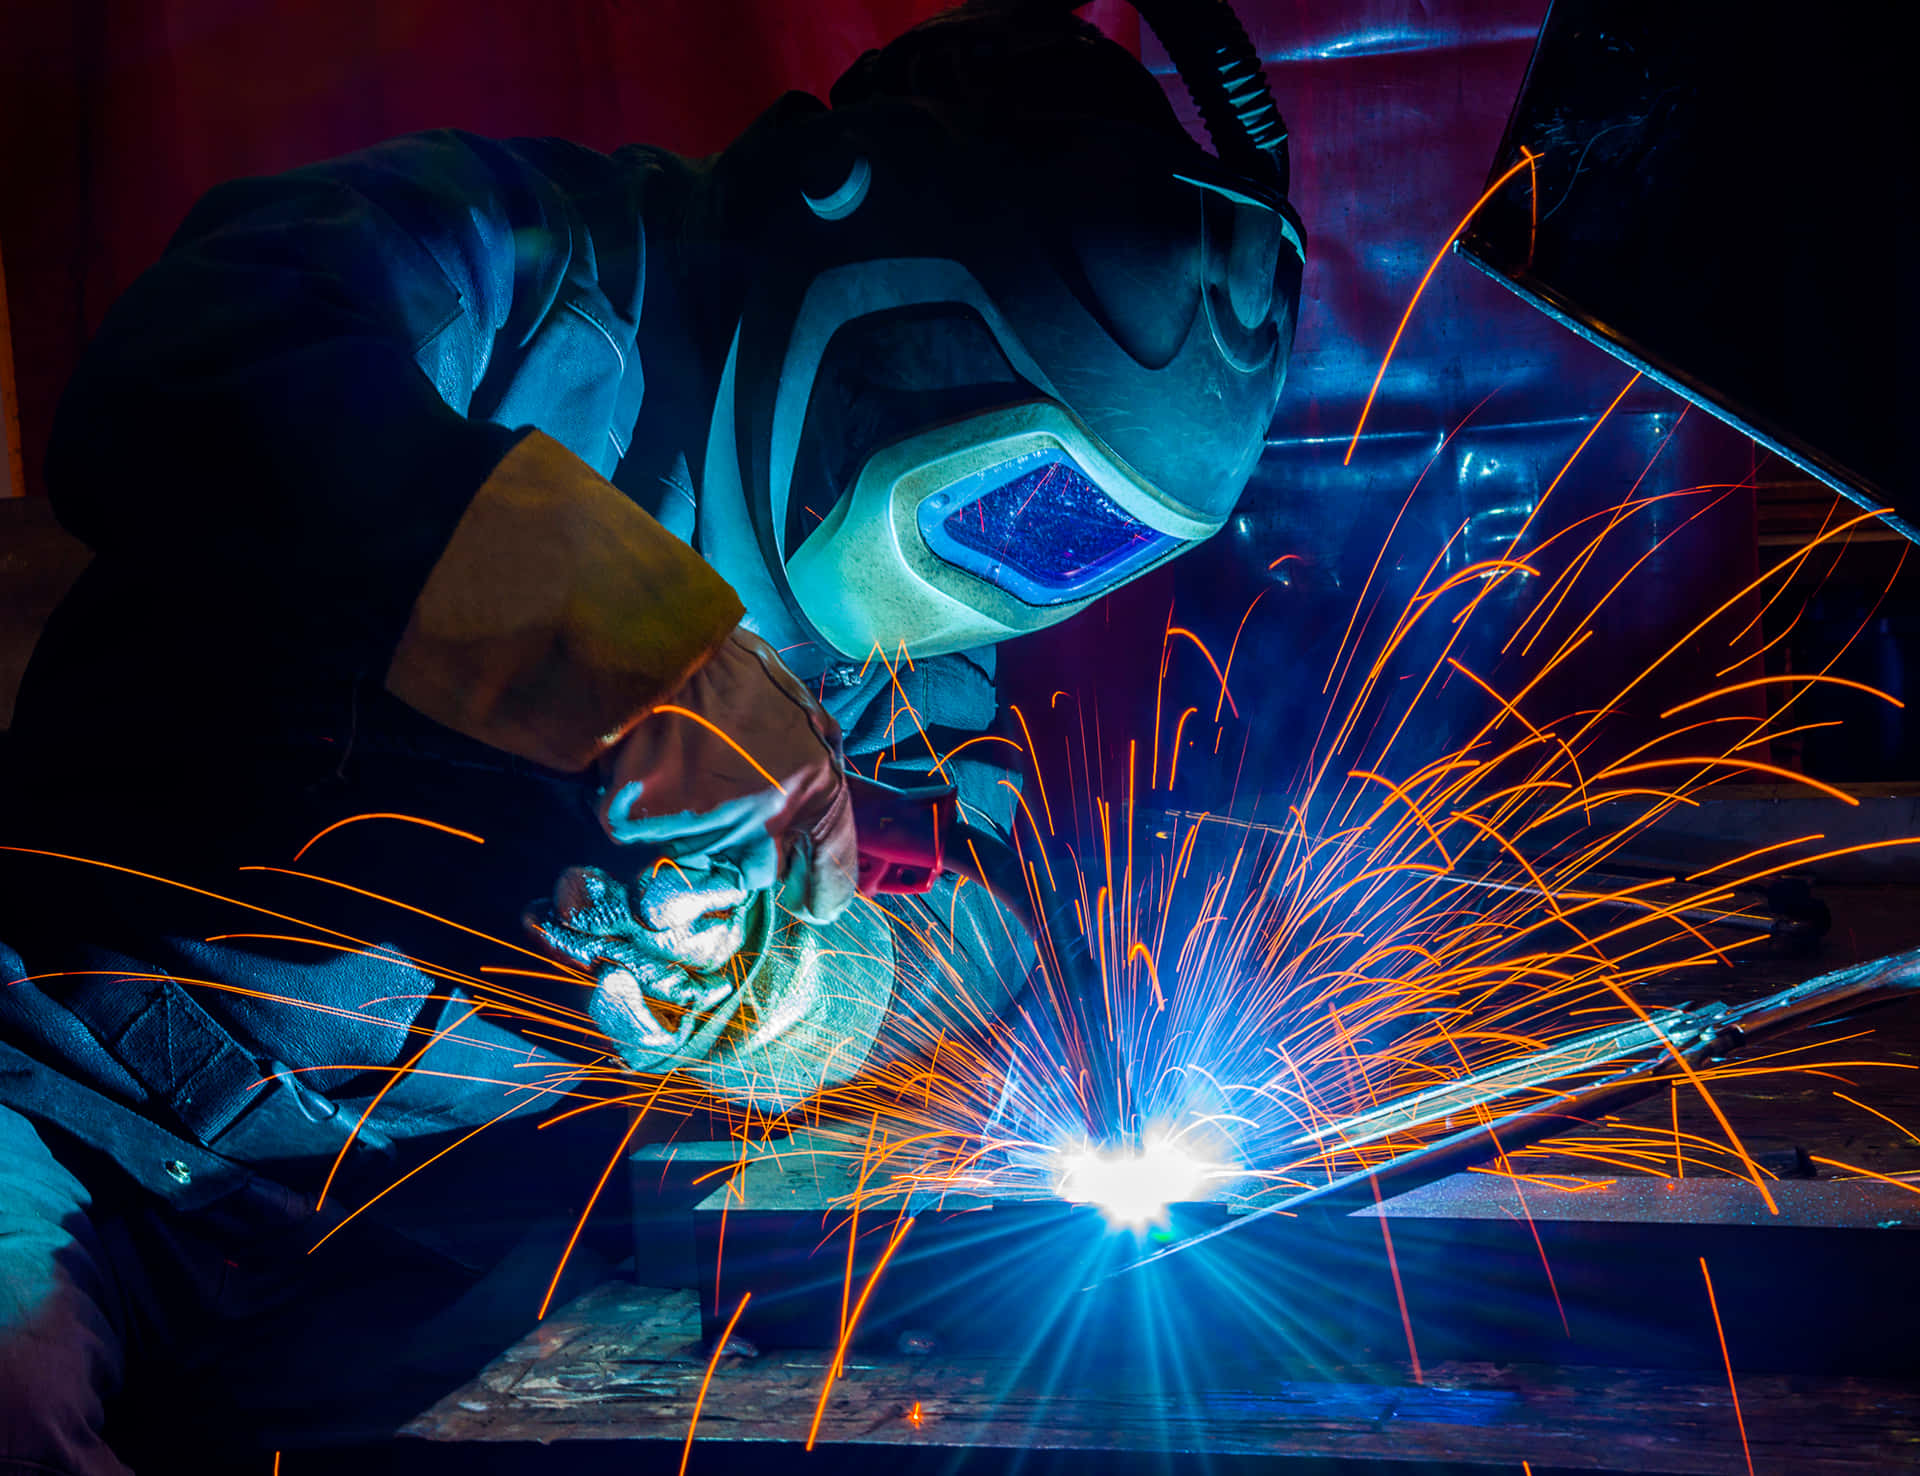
x,y
624,1364
614,1376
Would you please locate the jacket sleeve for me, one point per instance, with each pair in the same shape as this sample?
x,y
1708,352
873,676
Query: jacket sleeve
x,y
279,406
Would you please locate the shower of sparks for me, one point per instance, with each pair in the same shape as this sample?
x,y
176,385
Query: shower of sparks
x,y
1424,940
1427,935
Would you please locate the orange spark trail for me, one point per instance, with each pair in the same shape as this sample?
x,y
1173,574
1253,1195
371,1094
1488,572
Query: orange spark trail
x,y
1533,219
899,694
355,1214
1732,1389
1553,1284
846,1337
391,1082
1864,1173
723,736
1592,431
1804,678
328,881
712,1363
1159,688
1246,615
1526,161
1749,855
1181,630
1045,804
1399,1292
1173,768
853,1221
980,738
592,1199
1879,1114
383,815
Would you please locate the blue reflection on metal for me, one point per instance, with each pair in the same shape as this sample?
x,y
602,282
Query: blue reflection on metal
x,y
1038,528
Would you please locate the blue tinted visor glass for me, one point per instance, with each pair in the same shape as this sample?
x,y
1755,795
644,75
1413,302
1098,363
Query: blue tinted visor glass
x,y
1038,528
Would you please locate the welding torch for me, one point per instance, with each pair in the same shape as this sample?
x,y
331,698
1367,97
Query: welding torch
x,y
909,838
1643,1061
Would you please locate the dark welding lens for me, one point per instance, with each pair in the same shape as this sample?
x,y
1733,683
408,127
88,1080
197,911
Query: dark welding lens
x,y
1038,528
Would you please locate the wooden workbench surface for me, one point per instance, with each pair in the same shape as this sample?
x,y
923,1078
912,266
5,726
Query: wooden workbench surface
x,y
624,1363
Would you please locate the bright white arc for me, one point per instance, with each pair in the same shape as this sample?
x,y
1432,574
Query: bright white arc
x,y
1130,1186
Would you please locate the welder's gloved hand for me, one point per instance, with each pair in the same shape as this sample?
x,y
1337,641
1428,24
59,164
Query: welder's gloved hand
x,y
694,971
665,952
740,767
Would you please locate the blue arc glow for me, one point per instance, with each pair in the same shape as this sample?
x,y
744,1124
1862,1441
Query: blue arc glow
x,y
1130,1185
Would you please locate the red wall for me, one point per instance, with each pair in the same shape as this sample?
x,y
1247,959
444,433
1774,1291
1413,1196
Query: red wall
x,y
116,114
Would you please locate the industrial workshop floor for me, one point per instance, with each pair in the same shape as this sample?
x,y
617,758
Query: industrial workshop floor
x,y
611,1382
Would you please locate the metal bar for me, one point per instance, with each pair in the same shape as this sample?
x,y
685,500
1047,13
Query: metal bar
x,y
1883,981
1858,492
1511,1077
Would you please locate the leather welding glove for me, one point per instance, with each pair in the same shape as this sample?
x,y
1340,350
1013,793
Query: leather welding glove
x,y
659,950
740,768
695,971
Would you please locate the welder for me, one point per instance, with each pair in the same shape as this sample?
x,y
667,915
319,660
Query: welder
x,y
604,510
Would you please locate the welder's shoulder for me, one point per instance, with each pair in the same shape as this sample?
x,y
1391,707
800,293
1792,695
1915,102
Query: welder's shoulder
x,y
514,200
448,164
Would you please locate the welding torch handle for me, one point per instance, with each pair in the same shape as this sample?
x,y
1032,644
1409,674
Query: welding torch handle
x,y
1844,992
900,835
1483,1142
1867,986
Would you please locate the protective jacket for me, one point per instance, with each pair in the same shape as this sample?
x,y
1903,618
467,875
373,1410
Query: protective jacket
x,y
389,468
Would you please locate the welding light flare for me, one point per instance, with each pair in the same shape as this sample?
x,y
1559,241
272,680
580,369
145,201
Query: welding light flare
x,y
1130,1186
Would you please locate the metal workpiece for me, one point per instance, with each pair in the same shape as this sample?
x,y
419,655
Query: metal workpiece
x,y
1824,1204
1315,1289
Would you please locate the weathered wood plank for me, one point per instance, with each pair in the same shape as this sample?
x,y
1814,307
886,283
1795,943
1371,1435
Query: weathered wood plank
x,y
623,1364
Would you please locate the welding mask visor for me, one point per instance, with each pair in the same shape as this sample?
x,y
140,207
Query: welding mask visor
x,y
940,501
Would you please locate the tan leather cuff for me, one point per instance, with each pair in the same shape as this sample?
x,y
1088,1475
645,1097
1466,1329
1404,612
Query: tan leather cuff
x,y
558,613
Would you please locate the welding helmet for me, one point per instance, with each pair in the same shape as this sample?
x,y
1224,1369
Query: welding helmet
x,y
1013,337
